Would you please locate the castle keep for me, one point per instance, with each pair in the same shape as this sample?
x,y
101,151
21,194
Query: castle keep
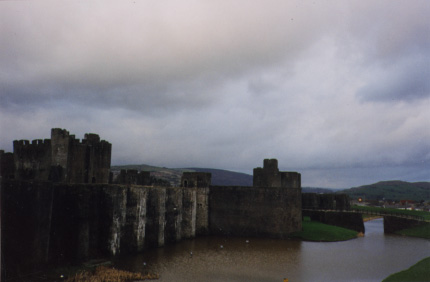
x,y
63,158
58,204
270,176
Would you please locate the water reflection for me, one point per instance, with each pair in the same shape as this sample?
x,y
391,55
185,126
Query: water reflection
x,y
370,258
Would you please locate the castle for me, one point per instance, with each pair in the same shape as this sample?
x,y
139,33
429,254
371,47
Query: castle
x,y
59,159
270,176
59,204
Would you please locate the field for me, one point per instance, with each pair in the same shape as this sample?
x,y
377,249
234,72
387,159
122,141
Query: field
x,y
320,232
418,272
424,215
422,231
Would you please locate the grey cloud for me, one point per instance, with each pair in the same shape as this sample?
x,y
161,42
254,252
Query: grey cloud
x,y
406,81
82,54
215,85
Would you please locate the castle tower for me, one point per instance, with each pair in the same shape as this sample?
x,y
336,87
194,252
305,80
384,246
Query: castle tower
x,y
32,161
63,158
196,179
270,176
60,143
199,182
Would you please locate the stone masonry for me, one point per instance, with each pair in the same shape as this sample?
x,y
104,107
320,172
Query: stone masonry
x,y
63,158
270,176
58,205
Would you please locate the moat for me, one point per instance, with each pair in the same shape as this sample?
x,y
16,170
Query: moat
x,y
370,258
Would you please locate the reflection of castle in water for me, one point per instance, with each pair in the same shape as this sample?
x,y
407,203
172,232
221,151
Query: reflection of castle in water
x,y
69,210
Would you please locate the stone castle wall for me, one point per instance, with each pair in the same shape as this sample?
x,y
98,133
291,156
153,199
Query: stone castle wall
x,y
270,176
349,220
7,165
254,211
57,205
63,158
393,224
330,201
32,160
45,223
132,176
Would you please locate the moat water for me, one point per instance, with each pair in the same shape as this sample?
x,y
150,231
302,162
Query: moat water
x,y
370,258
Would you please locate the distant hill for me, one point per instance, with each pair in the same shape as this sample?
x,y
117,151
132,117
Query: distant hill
x,y
392,190
222,177
173,175
318,190
388,190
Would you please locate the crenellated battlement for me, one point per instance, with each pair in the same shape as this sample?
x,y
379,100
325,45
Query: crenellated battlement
x,y
91,138
270,176
63,158
132,176
33,143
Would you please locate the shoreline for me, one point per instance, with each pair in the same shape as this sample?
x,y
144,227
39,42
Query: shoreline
x,y
371,218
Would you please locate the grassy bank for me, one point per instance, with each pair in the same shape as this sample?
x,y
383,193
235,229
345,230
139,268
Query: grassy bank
x,y
320,232
422,231
418,272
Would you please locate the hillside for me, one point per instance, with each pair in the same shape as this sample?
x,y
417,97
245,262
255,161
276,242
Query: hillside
x,y
173,175
388,190
392,190
318,190
222,177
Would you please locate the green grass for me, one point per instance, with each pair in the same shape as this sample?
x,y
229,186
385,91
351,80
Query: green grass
x,y
418,272
320,232
424,214
392,190
422,231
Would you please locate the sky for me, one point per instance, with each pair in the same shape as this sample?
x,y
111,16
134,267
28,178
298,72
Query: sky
x,y
336,90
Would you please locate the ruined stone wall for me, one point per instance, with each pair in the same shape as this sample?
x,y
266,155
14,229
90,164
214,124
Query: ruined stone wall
x,y
270,176
77,165
189,210
45,224
254,211
316,201
132,176
99,161
202,211
88,161
349,220
32,160
60,139
196,179
63,159
156,212
135,222
291,179
173,228
26,210
7,165
393,224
